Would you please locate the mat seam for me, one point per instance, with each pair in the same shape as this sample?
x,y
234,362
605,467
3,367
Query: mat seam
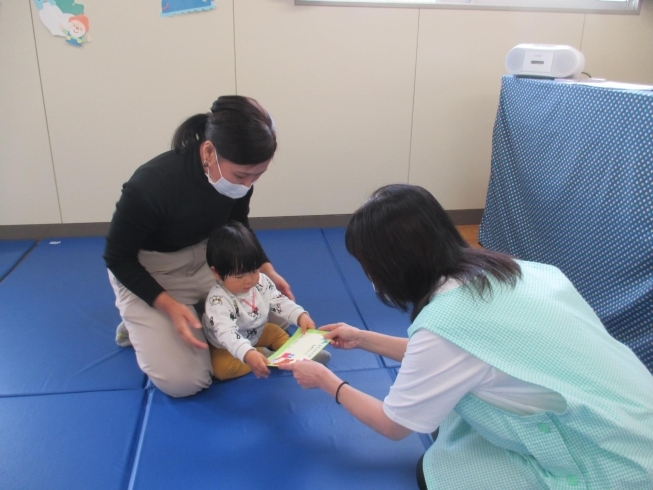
x,y
20,260
55,393
141,437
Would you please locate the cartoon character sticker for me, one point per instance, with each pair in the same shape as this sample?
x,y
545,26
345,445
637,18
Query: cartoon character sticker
x,y
76,30
64,18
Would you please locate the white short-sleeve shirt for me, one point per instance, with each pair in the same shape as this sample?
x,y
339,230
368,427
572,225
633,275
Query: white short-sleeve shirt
x,y
435,374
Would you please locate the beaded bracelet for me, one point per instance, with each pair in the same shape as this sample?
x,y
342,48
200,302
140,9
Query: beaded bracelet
x,y
338,390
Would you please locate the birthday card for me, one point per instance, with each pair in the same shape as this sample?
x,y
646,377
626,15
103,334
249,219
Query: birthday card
x,y
299,347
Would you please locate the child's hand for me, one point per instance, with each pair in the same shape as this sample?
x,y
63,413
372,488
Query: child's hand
x,y
305,322
257,362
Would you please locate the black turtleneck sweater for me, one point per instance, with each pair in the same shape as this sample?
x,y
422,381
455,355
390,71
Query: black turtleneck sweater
x,y
168,204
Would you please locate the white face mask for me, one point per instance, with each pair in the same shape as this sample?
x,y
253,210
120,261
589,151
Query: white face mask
x,y
226,188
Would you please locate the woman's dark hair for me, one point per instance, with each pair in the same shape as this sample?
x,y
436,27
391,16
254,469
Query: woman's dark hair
x,y
233,249
406,243
239,128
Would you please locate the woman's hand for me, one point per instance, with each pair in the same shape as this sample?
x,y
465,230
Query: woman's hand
x,y
342,336
182,318
309,374
305,322
257,362
278,281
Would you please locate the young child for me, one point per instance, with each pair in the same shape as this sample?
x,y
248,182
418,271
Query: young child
x,y
235,320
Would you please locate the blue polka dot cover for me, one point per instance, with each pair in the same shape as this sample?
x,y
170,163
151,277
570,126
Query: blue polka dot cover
x,y
572,185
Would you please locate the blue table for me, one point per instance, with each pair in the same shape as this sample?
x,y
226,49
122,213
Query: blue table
x,y
572,185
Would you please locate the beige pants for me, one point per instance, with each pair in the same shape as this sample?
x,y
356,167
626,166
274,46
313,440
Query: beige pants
x,y
172,365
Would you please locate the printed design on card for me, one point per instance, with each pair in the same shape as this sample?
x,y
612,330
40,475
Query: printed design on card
x,y
299,347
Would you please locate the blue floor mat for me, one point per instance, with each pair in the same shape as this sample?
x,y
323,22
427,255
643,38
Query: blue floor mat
x,y
11,251
270,434
376,316
58,324
76,441
74,413
303,258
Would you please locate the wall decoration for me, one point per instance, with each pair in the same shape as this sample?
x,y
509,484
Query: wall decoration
x,y
52,16
175,7
77,30
70,7
65,18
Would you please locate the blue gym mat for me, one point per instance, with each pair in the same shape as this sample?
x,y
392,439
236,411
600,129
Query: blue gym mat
x,y
303,258
76,441
58,324
376,316
11,251
270,434
76,413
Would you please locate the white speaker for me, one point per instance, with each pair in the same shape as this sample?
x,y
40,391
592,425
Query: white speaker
x,y
545,60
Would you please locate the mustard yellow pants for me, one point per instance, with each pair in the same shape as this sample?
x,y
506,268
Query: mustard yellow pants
x,y
226,366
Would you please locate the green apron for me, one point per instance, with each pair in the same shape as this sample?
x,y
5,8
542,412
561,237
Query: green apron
x,y
542,332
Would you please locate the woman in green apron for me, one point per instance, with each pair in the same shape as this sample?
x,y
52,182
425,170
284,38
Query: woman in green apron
x,y
504,356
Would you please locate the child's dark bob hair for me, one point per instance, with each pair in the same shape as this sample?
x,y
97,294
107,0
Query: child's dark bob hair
x,y
408,245
233,249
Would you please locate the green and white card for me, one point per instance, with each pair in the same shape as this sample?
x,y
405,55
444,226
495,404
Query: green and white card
x,y
299,347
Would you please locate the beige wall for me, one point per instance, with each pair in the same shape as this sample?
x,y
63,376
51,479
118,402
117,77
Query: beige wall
x,y
361,96
28,192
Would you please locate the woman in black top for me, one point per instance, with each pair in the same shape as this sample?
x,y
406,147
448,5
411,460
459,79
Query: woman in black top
x,y
156,246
